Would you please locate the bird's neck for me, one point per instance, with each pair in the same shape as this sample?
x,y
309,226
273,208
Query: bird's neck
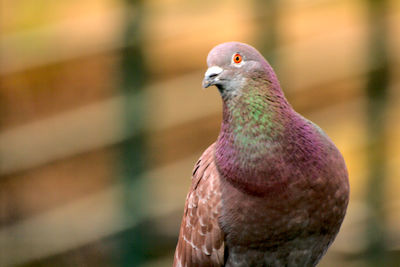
x,y
253,127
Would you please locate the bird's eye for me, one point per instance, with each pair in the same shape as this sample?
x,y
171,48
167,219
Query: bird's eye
x,y
237,58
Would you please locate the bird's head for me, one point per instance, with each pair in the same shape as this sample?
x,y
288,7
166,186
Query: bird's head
x,y
231,64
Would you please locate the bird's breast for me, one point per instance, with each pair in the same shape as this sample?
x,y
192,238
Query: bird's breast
x,y
267,222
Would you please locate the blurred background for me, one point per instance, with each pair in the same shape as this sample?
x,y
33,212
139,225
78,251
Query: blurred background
x,y
102,118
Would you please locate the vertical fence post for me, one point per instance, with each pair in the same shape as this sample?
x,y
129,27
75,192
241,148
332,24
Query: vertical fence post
x,y
133,155
267,13
376,90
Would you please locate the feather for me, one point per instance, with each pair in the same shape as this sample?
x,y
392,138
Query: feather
x,y
200,231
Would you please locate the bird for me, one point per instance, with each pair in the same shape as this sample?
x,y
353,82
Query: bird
x,y
273,189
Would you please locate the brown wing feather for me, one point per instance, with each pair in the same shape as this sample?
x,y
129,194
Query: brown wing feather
x,y
201,241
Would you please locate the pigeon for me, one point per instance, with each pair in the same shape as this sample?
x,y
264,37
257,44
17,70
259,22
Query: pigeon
x,y
273,189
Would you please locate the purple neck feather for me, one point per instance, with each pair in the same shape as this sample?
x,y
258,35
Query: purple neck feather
x,y
250,143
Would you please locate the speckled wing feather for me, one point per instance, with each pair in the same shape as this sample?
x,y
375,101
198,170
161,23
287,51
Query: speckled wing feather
x,y
201,241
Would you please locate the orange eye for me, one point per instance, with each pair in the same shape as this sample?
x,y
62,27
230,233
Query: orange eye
x,y
237,58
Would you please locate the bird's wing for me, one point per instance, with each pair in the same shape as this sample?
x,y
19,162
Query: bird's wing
x,y
201,240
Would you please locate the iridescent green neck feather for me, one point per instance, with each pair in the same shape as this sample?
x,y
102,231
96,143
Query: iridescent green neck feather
x,y
254,122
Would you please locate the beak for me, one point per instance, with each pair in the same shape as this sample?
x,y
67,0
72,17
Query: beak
x,y
211,76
